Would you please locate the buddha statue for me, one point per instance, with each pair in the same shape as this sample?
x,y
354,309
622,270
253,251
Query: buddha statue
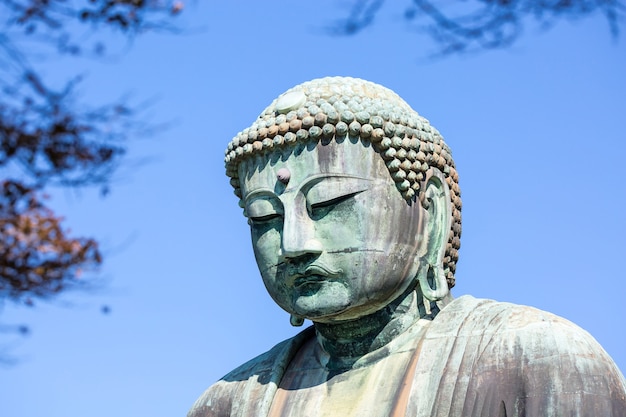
x,y
355,214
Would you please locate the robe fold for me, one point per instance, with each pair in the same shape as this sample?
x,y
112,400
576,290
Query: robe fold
x,y
476,358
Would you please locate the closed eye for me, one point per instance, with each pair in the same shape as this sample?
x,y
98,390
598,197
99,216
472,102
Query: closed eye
x,y
332,201
266,218
263,208
323,194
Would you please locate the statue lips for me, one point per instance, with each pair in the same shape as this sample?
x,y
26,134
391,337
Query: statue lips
x,y
312,274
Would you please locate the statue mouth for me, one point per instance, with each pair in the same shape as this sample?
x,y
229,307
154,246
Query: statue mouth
x,y
312,274
306,280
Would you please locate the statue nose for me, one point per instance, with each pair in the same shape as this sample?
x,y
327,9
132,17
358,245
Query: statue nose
x,y
310,247
298,236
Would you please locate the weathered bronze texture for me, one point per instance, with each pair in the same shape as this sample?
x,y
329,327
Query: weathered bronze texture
x,y
354,209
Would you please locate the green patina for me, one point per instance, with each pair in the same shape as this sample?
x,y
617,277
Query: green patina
x,y
341,109
354,209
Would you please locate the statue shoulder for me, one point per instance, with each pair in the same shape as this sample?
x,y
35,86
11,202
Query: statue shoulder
x,y
531,333
525,356
520,325
250,385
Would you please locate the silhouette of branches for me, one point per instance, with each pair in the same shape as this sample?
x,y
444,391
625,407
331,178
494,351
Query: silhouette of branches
x,y
483,24
62,22
52,142
48,139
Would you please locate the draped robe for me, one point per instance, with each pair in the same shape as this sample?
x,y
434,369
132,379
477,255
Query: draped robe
x,y
475,358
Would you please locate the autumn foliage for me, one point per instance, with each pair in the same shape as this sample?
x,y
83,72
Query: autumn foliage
x,y
47,139
39,259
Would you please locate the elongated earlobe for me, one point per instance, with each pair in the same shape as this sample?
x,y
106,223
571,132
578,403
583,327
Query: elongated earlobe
x,y
296,321
436,201
440,289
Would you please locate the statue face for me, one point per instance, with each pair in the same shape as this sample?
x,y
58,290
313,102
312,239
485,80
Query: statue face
x,y
337,241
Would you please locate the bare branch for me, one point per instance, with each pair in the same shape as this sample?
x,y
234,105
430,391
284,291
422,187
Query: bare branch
x,y
361,16
46,139
484,24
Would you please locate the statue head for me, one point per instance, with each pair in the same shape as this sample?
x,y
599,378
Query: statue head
x,y
352,199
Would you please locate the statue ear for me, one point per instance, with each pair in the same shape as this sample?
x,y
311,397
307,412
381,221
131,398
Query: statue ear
x,y
435,199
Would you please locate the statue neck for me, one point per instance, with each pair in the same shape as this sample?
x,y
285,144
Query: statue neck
x,y
346,342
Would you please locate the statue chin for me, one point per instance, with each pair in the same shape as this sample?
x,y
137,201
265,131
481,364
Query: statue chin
x,y
320,300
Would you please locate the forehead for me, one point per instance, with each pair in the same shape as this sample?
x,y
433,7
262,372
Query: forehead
x,y
349,158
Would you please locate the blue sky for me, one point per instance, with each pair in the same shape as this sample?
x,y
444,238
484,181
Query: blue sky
x,y
536,130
